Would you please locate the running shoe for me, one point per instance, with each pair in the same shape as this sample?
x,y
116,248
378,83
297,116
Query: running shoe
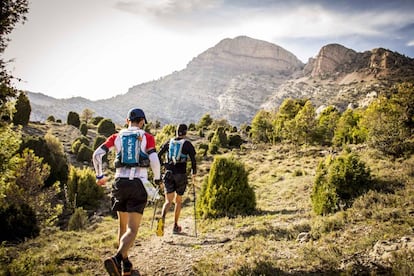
x,y
126,267
113,266
160,227
176,229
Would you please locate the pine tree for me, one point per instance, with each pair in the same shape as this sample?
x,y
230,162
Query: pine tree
x,y
23,109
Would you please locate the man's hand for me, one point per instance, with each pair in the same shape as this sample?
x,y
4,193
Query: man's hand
x,y
101,180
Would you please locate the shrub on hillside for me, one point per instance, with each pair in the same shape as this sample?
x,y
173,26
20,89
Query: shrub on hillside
x,y
348,129
226,191
106,127
84,153
99,139
23,109
205,122
235,141
202,149
390,122
96,120
78,220
339,181
262,129
75,146
81,190
73,119
18,222
83,129
51,150
51,118
81,140
166,133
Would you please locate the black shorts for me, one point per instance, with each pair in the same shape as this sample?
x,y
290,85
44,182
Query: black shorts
x,y
129,195
176,183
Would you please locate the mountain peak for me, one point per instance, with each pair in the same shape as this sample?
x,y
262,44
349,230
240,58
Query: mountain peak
x,y
330,57
245,54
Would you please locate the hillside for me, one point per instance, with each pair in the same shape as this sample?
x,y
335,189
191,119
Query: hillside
x,y
237,77
284,237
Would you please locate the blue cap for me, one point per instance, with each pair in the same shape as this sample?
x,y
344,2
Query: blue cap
x,y
136,113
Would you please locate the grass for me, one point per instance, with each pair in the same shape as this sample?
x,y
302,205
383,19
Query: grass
x,y
264,243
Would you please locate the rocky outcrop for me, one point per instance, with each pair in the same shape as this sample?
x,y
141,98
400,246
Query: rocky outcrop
x,y
245,55
331,59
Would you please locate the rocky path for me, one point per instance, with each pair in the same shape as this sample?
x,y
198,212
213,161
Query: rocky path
x,y
173,254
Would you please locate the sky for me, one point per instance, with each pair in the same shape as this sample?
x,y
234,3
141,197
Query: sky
x,y
98,49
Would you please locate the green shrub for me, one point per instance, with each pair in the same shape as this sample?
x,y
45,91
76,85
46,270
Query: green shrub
x,y
226,191
389,124
18,222
261,129
202,149
73,119
166,133
205,122
28,186
235,141
339,180
78,220
75,146
99,139
213,148
106,127
82,190
83,129
83,139
84,153
51,118
23,109
96,120
51,150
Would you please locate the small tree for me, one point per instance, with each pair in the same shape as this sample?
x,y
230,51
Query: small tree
x,y
87,115
23,109
205,121
83,129
51,118
99,139
73,119
326,124
84,153
82,190
389,123
106,127
226,192
348,130
51,149
304,125
284,120
261,128
96,120
78,220
339,179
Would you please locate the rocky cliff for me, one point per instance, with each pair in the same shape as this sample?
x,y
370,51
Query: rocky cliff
x,y
343,77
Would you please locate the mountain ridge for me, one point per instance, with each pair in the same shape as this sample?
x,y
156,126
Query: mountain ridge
x,y
235,78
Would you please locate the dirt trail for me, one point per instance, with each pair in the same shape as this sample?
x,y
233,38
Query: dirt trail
x,y
172,254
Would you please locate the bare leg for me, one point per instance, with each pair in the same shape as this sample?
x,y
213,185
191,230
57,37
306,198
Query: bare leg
x,y
177,209
127,239
123,220
168,201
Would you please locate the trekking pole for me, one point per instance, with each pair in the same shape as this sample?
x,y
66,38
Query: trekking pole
x,y
195,214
